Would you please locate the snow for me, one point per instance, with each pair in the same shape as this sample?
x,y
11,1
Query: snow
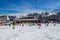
x,y
33,32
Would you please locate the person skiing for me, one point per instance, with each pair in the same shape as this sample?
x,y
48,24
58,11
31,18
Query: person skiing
x,y
13,25
47,24
39,24
54,24
0,24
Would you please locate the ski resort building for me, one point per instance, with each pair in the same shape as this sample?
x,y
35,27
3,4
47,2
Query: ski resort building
x,y
5,20
27,19
54,18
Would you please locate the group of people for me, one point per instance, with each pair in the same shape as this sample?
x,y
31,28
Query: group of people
x,y
46,24
39,24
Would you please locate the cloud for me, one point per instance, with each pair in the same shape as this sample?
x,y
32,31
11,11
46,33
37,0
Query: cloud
x,y
51,5
29,6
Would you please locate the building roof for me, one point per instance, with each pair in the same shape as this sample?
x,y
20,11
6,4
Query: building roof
x,y
24,19
27,18
9,22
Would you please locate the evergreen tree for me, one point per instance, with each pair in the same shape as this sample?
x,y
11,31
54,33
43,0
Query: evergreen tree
x,y
46,13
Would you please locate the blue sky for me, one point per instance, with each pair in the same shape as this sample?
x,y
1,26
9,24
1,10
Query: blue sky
x,y
27,6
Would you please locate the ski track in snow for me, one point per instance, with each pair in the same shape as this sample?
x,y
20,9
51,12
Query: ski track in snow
x,y
30,32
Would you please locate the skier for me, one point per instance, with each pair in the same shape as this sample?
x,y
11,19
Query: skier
x,y
22,24
47,24
0,24
13,25
54,24
39,24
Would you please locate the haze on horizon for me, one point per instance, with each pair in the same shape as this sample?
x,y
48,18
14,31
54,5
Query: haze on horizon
x,y
27,6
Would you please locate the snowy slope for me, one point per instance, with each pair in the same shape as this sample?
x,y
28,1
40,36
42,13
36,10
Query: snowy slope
x,y
30,32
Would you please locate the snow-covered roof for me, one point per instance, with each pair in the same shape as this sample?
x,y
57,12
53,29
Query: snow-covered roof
x,y
8,22
24,19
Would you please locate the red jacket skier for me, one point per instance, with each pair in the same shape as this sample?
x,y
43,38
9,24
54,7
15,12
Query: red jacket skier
x,y
39,24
